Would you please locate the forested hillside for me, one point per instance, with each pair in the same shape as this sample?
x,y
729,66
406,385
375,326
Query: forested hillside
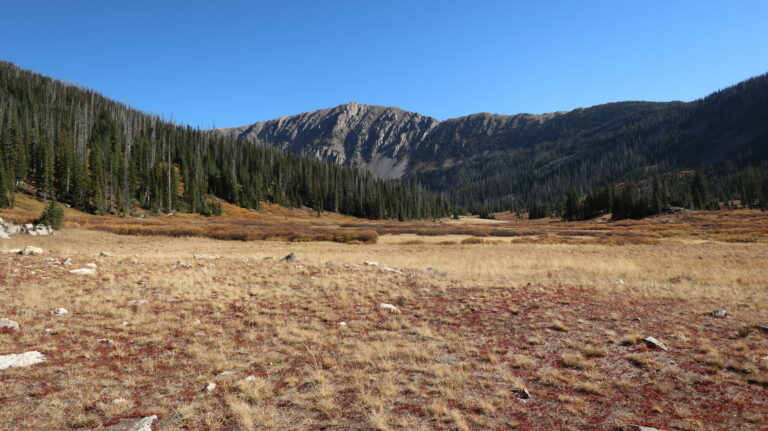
x,y
71,144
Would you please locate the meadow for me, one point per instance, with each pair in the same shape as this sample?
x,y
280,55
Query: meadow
x,y
505,324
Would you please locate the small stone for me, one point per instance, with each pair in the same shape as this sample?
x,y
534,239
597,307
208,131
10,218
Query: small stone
x,y
371,263
4,235
389,307
105,254
31,251
60,312
138,302
644,428
21,360
343,324
227,373
144,424
206,256
67,261
133,260
90,265
291,257
522,393
83,271
719,313
8,325
652,342
104,341
181,264
210,388
126,323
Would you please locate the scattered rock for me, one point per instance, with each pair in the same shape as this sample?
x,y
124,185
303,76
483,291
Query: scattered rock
x,y
644,428
227,373
719,313
210,388
144,424
83,271
134,260
522,393
181,264
389,269
206,256
31,251
67,261
12,229
652,342
90,265
21,360
60,312
104,341
343,324
105,254
4,235
389,307
291,257
138,302
8,325
371,263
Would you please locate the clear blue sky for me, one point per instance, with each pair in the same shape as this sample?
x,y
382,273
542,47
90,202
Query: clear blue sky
x,y
234,63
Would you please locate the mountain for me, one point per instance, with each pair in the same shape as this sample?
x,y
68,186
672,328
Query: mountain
x,y
502,161
376,138
72,144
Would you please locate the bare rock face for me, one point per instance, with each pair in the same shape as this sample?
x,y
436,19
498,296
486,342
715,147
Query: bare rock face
x,y
377,138
387,141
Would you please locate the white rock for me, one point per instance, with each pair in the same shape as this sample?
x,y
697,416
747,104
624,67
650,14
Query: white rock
x,y
343,324
644,428
144,424
183,264
4,235
389,307
60,312
371,263
21,360
134,260
210,388
90,265
12,251
655,343
104,341
8,325
206,256
67,261
31,251
83,271
227,373
250,379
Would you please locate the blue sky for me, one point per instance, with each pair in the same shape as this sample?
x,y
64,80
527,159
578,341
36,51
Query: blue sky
x,y
238,62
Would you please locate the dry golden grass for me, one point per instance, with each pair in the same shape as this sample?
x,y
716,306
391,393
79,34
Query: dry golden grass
x,y
476,325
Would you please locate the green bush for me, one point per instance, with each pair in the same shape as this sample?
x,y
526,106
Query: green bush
x,y
52,215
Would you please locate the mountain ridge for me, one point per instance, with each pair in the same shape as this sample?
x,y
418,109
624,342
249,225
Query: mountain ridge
x,y
492,160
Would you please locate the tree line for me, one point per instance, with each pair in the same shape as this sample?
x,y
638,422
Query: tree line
x,y
71,144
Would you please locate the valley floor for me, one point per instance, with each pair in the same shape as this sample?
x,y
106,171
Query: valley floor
x,y
238,338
